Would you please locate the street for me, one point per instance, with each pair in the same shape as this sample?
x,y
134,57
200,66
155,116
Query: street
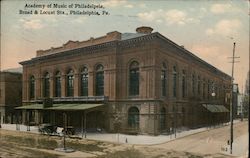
x,y
210,141
203,144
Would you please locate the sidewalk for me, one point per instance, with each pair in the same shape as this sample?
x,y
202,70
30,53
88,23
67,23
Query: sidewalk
x,y
14,127
121,138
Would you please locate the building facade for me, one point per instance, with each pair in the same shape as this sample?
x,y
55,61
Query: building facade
x,y
10,95
143,82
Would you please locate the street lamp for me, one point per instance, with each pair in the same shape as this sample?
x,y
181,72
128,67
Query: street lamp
x,y
213,94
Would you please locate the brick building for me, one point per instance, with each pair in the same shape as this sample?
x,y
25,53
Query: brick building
x,y
132,82
10,95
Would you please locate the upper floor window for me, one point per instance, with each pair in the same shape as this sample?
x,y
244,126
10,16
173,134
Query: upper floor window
x,y
164,80
99,81
134,78
213,89
216,90
193,84
183,83
204,89
70,83
32,87
58,84
199,85
84,81
208,89
46,85
174,81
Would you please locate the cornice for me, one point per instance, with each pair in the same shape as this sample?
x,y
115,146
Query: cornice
x,y
72,52
129,43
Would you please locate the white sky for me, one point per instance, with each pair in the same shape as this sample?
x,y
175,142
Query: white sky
x,y
206,28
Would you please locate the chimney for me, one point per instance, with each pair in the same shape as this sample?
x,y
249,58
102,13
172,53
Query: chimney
x,y
144,29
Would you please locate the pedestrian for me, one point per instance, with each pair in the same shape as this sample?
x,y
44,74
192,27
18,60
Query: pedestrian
x,y
126,140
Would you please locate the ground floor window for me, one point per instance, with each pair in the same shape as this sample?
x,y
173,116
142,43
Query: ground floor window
x,y
163,119
46,117
31,116
133,117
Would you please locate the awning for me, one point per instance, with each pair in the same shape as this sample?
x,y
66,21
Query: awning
x,y
73,106
31,107
215,108
62,107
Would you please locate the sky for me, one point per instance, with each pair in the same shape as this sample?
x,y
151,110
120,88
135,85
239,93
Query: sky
x,y
206,28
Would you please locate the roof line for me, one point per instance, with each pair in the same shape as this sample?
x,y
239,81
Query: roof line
x,y
190,53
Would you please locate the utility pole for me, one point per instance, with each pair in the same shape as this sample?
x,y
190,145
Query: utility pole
x,y
232,100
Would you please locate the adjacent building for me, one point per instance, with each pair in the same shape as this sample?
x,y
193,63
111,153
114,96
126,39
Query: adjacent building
x,y
132,82
240,110
10,95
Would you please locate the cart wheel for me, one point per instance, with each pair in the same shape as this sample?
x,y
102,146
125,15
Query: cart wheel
x,y
70,133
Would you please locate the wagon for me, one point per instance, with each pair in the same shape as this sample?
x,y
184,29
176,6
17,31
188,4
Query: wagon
x,y
47,129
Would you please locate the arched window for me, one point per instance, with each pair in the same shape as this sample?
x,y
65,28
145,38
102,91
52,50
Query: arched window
x,y
46,85
208,89
212,89
99,80
58,84
133,117
216,88
174,81
199,85
183,85
163,118
70,83
32,87
84,82
164,80
218,91
134,79
193,84
204,88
